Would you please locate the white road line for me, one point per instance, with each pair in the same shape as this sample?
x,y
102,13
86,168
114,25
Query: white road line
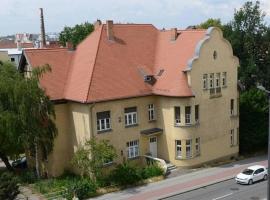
x,y
221,197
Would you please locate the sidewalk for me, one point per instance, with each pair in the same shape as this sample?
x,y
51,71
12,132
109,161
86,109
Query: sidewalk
x,y
184,183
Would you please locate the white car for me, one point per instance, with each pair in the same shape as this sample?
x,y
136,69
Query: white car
x,y
252,174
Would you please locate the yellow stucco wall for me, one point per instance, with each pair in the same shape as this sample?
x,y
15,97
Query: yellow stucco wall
x,y
4,56
77,122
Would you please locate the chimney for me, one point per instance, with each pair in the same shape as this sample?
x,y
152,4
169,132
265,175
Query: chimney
x,y
19,45
42,29
109,25
173,34
97,24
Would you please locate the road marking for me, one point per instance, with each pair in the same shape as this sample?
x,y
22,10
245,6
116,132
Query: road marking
x,y
221,197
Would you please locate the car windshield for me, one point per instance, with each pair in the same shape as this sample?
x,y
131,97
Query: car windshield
x,y
248,171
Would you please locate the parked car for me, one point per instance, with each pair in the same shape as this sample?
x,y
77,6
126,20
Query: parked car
x,y
21,163
252,174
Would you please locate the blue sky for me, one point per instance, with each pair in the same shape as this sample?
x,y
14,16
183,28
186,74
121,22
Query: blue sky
x,y
19,16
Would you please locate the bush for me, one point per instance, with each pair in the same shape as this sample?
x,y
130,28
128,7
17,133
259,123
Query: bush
x,y
27,176
9,188
151,171
83,188
125,174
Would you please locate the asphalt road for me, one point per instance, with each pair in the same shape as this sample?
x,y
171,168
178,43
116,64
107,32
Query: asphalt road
x,y
227,190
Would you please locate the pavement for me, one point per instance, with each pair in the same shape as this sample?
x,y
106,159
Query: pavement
x,y
226,190
184,182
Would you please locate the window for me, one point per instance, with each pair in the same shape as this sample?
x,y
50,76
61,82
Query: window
x,y
196,113
211,81
130,116
151,112
187,114
178,148
12,59
133,149
215,55
224,79
232,106
177,115
188,148
232,137
205,81
197,146
217,80
103,121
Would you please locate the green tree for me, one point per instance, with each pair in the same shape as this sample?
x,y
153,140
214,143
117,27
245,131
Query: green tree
x,y
26,114
253,121
250,38
75,34
209,23
90,158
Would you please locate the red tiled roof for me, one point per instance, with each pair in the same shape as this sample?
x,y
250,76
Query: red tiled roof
x,y
10,44
59,59
101,69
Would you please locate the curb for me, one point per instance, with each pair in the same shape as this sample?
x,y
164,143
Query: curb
x,y
196,188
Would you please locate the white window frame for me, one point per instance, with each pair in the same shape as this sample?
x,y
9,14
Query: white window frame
x,y
211,80
232,107
224,79
188,116
151,112
177,122
198,146
103,124
132,116
217,84
205,77
232,137
178,149
189,146
133,149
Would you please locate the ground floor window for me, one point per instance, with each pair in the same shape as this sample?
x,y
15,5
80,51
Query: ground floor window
x,y
178,149
188,148
197,146
234,137
133,149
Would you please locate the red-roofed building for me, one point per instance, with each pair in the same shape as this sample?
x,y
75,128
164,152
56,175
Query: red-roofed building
x,y
171,94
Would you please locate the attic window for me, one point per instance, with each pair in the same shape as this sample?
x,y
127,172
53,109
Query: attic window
x,y
215,55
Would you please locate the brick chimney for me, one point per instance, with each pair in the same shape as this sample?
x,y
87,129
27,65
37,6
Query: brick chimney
x,y
42,29
109,26
173,34
97,24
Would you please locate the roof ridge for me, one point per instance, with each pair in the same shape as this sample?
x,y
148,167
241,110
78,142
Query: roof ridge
x,y
90,82
46,49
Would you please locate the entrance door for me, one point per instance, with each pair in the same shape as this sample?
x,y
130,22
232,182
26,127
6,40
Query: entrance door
x,y
153,146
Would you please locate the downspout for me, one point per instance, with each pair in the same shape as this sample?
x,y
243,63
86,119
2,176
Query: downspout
x,y
91,120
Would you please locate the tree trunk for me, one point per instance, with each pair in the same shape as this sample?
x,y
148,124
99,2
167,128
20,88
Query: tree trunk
x,y
4,158
37,161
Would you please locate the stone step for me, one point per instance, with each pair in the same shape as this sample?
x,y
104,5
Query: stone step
x,y
171,167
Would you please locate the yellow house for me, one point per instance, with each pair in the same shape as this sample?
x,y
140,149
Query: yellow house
x,y
168,93
4,56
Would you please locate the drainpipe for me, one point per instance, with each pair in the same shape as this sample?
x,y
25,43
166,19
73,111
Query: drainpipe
x,y
91,120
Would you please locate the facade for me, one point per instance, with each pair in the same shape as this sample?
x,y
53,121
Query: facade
x,y
168,93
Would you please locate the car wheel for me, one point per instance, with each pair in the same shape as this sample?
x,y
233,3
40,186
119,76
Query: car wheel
x,y
250,182
265,177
